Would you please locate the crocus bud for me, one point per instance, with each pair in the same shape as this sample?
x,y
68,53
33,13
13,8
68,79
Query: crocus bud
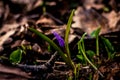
x,y
59,39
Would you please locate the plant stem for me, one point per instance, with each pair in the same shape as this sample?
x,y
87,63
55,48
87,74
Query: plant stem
x,y
97,45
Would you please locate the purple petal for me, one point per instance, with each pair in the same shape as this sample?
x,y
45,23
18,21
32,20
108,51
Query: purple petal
x,y
59,39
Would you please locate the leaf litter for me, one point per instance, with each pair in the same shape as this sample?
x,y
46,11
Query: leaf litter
x,y
17,15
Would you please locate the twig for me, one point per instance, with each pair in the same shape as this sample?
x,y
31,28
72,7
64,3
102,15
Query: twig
x,y
56,62
47,67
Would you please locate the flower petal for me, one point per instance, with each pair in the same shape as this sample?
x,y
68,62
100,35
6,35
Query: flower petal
x,y
59,39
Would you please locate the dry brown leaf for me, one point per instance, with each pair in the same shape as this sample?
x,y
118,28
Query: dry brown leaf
x,y
6,36
89,20
88,4
113,19
14,71
44,20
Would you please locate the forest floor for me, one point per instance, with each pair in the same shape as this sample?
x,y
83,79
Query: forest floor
x,y
41,62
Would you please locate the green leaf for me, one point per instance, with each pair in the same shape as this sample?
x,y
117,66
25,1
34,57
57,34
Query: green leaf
x,y
81,58
82,38
49,48
67,35
95,33
68,26
108,44
81,43
90,53
16,56
106,9
109,48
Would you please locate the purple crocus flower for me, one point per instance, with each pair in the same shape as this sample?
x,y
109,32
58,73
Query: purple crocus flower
x,y
59,39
